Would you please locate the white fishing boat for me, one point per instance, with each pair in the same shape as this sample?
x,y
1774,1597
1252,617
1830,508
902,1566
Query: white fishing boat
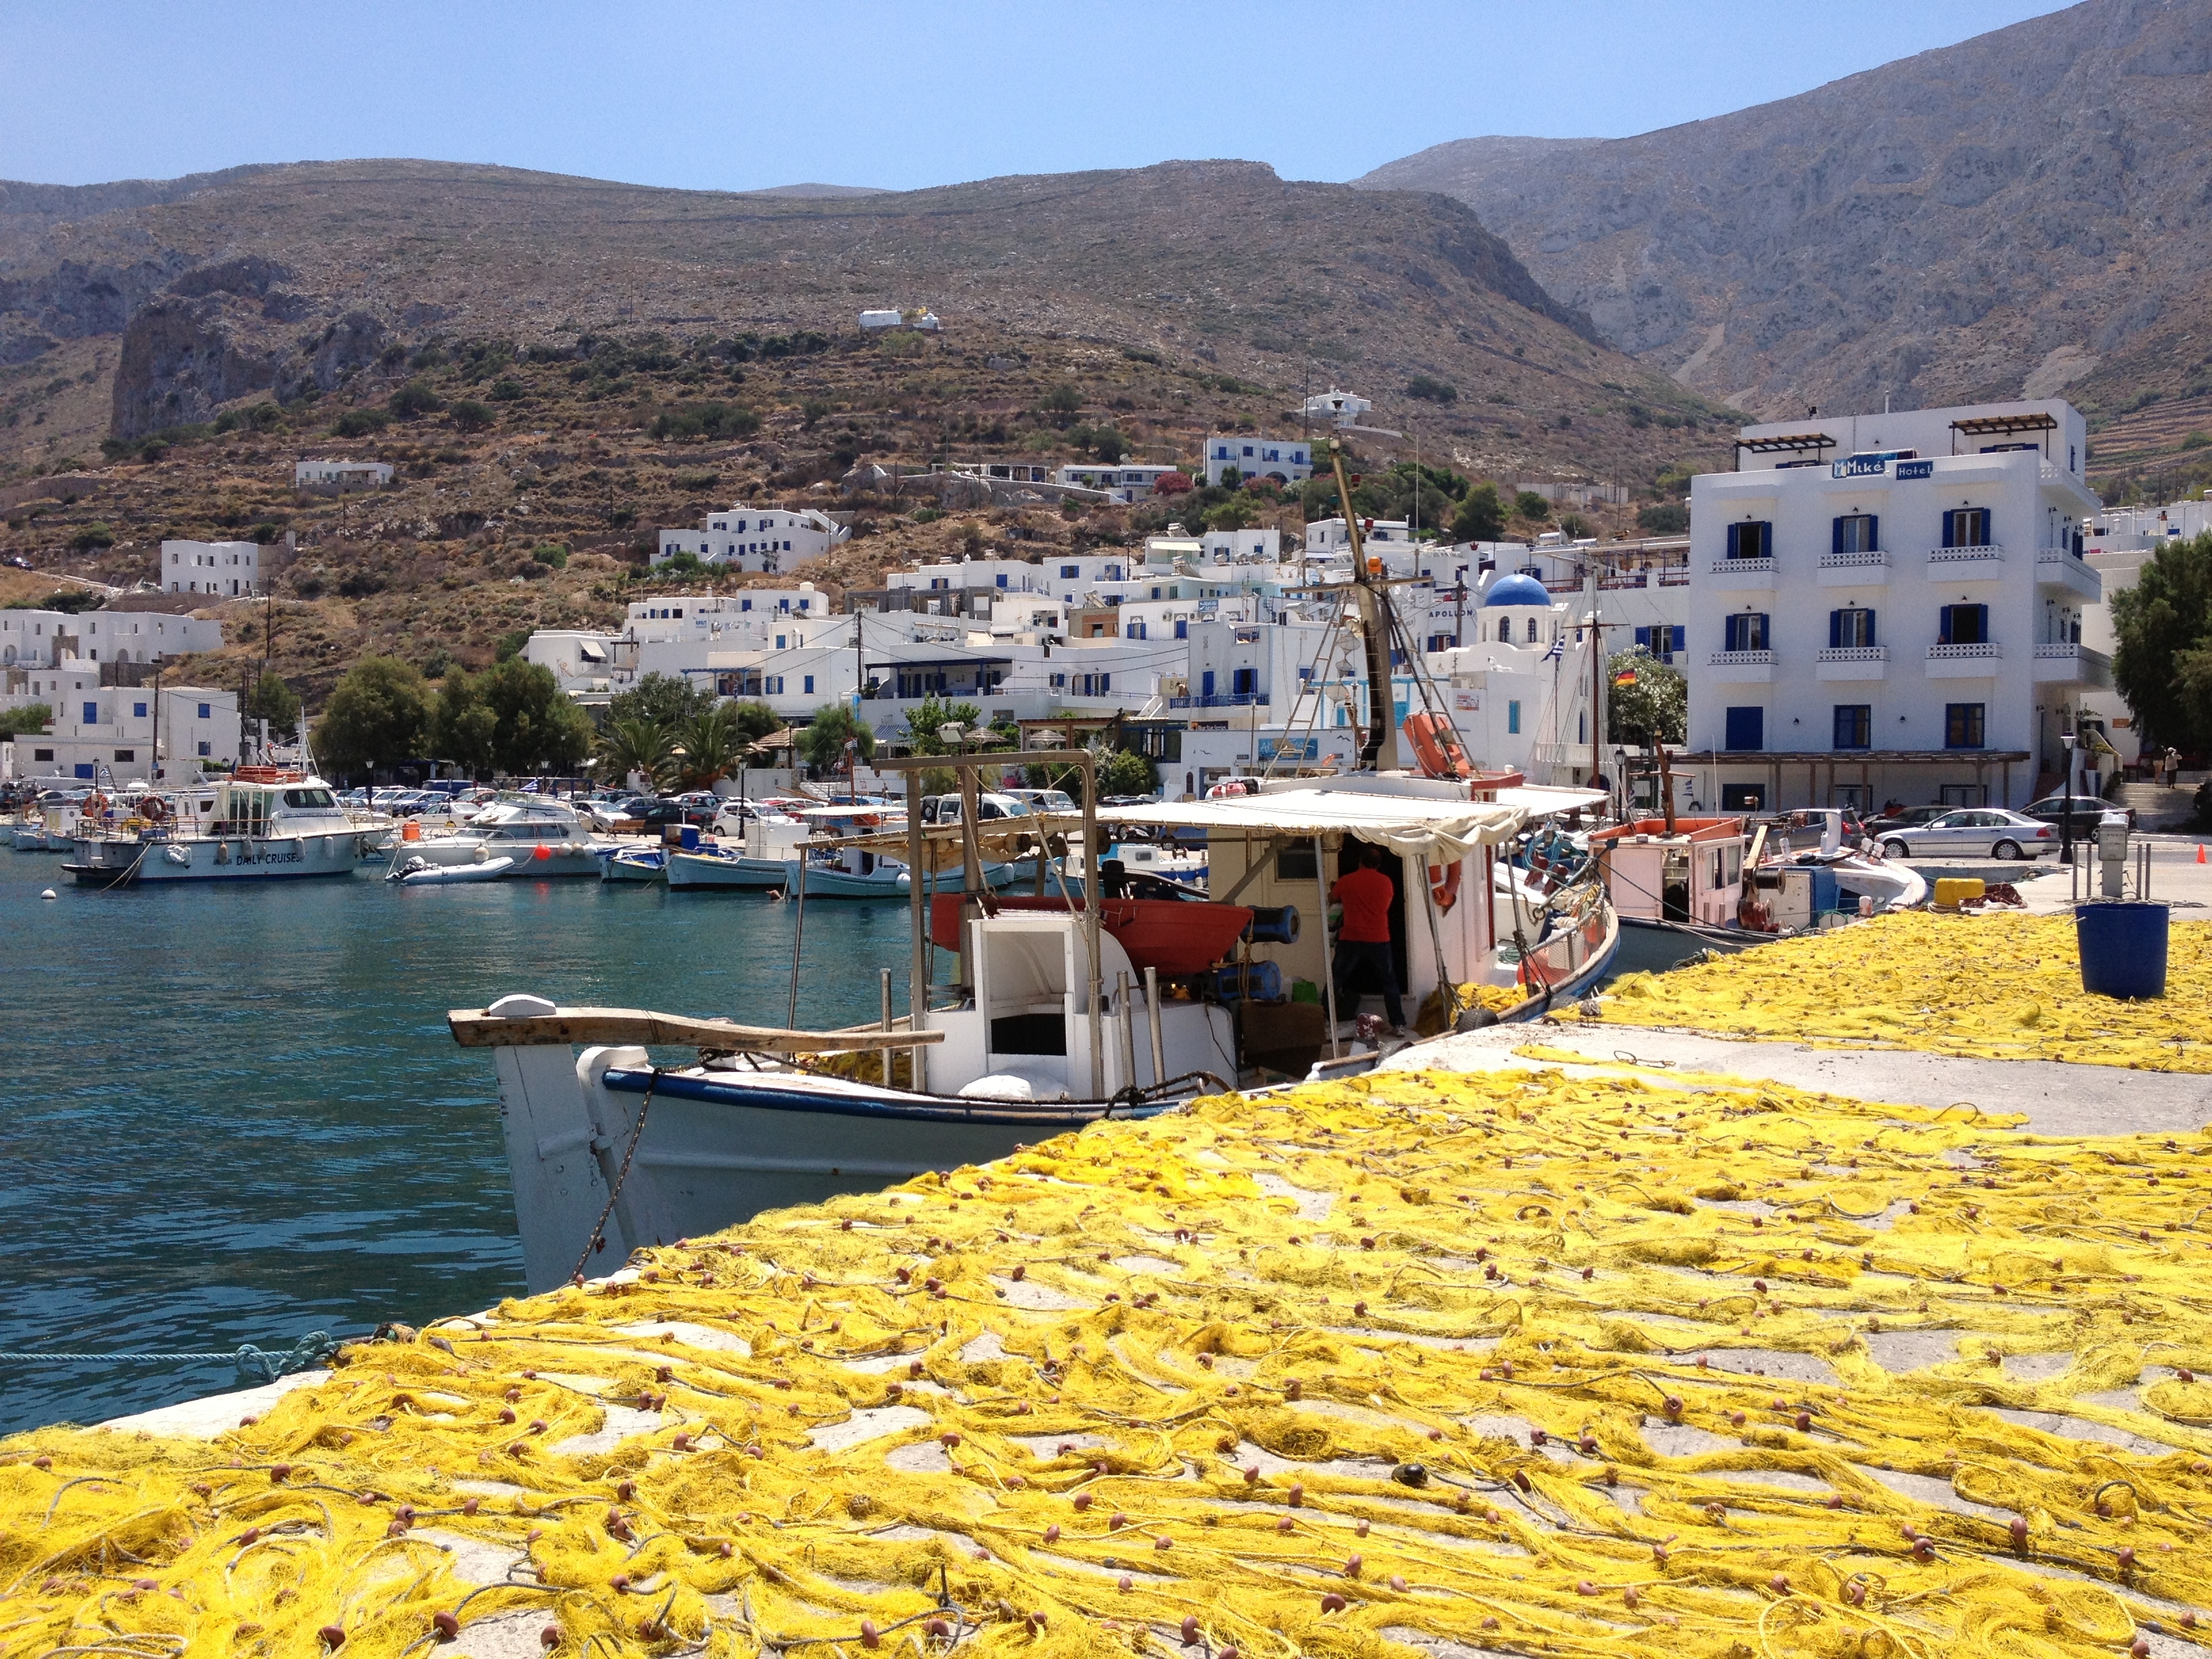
x,y
1062,1009
416,871
711,866
260,823
633,864
539,837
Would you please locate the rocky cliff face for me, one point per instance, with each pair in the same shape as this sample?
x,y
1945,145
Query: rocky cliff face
x,y
2028,211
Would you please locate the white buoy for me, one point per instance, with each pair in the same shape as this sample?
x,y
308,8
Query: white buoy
x,y
49,893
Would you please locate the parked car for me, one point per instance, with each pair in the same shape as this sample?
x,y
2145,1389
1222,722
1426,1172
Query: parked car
x,y
2089,811
1906,818
1974,832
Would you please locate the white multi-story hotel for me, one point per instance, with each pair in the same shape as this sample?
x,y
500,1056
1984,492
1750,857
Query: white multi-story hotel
x,y
754,538
1890,606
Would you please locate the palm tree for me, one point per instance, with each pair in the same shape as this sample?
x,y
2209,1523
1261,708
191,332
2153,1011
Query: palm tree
x,y
713,744
639,748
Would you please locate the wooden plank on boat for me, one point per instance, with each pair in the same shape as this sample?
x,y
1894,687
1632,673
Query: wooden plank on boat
x,y
477,1028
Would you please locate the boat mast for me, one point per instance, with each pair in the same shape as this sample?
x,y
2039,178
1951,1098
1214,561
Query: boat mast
x,y
1380,751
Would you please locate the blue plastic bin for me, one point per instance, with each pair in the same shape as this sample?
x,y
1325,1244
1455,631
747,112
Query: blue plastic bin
x,y
2122,945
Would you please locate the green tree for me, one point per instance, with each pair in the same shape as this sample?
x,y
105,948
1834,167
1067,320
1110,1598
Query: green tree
x,y
1655,706
1431,390
462,729
1532,507
1109,444
712,747
538,728
755,719
273,700
923,719
377,717
1664,519
30,717
2162,664
665,700
636,747
823,743
469,416
1480,516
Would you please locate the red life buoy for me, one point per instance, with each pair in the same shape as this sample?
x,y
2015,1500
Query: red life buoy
x,y
1436,747
1443,885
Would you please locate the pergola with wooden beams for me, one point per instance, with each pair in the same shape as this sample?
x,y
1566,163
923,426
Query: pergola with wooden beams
x,y
1785,443
2005,426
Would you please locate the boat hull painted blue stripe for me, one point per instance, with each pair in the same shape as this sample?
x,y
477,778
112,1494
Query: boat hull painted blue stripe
x,y
892,1103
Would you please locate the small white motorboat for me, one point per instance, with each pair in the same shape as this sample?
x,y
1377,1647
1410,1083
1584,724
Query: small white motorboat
x,y
641,864
711,866
419,871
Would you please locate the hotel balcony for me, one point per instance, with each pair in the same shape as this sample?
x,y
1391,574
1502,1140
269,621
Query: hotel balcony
x,y
1963,662
1966,564
2056,568
1869,568
1742,667
2062,664
1741,575
1854,662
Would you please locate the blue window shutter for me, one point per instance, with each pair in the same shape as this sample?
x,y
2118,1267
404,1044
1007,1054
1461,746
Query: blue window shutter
x,y
1873,532
1836,537
1644,639
1950,527
1870,639
1680,640
1835,629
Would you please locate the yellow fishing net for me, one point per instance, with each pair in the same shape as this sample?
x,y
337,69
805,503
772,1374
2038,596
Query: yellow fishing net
x,y
2000,987
1417,1363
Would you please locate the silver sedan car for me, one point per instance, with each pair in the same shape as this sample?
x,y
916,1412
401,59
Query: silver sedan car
x,y
1973,832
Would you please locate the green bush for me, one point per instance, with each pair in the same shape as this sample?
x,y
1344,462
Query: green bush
x,y
1431,390
506,390
1481,515
415,399
469,416
28,717
93,536
553,554
1666,518
713,420
510,646
1531,505
361,422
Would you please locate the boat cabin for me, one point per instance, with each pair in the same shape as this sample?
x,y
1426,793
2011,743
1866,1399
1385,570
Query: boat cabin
x,y
294,806
1693,873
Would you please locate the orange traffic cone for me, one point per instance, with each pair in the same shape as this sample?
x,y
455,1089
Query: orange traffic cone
x,y
2200,851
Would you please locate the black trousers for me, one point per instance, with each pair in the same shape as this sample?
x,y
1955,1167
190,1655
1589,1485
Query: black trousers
x,y
1352,957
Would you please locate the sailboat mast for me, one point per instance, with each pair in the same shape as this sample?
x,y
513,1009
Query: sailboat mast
x,y
1379,752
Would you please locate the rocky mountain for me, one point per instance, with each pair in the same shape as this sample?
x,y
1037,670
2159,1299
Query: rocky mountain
x,y
291,282
2025,213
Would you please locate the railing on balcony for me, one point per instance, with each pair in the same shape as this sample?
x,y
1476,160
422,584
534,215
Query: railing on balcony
x,y
1742,660
1988,553
1221,700
1987,650
1855,654
1679,577
1741,567
1855,559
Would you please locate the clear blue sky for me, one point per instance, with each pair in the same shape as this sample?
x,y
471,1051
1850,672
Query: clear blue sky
x,y
736,96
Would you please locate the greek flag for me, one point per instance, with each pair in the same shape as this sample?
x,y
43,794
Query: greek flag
x,y
1558,649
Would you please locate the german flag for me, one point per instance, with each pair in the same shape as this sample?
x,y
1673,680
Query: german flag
x,y
1625,676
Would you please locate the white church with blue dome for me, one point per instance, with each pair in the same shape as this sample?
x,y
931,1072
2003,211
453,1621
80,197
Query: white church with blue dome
x,y
1519,680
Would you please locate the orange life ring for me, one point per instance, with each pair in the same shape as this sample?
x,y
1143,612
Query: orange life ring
x,y
153,809
1443,885
1436,746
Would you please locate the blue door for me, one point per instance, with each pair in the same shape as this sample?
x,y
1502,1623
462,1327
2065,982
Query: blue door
x,y
1746,729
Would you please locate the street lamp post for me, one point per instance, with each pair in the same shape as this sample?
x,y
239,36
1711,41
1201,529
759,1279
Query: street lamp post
x,y
2066,803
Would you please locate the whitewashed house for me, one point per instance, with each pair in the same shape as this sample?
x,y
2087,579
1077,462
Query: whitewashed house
x,y
132,734
228,570
764,540
1286,460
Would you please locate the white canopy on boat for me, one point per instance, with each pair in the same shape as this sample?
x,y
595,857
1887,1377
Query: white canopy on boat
x,y
1441,828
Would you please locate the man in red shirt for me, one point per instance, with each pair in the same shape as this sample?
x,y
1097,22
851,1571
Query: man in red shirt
x,y
1365,939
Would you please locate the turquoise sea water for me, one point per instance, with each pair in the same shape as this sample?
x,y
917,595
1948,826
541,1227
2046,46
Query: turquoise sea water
x,y
238,1116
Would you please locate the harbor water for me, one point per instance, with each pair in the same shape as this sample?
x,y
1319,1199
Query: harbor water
x,y
238,1115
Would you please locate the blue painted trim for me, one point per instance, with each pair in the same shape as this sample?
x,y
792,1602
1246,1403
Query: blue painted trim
x,y
892,1103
